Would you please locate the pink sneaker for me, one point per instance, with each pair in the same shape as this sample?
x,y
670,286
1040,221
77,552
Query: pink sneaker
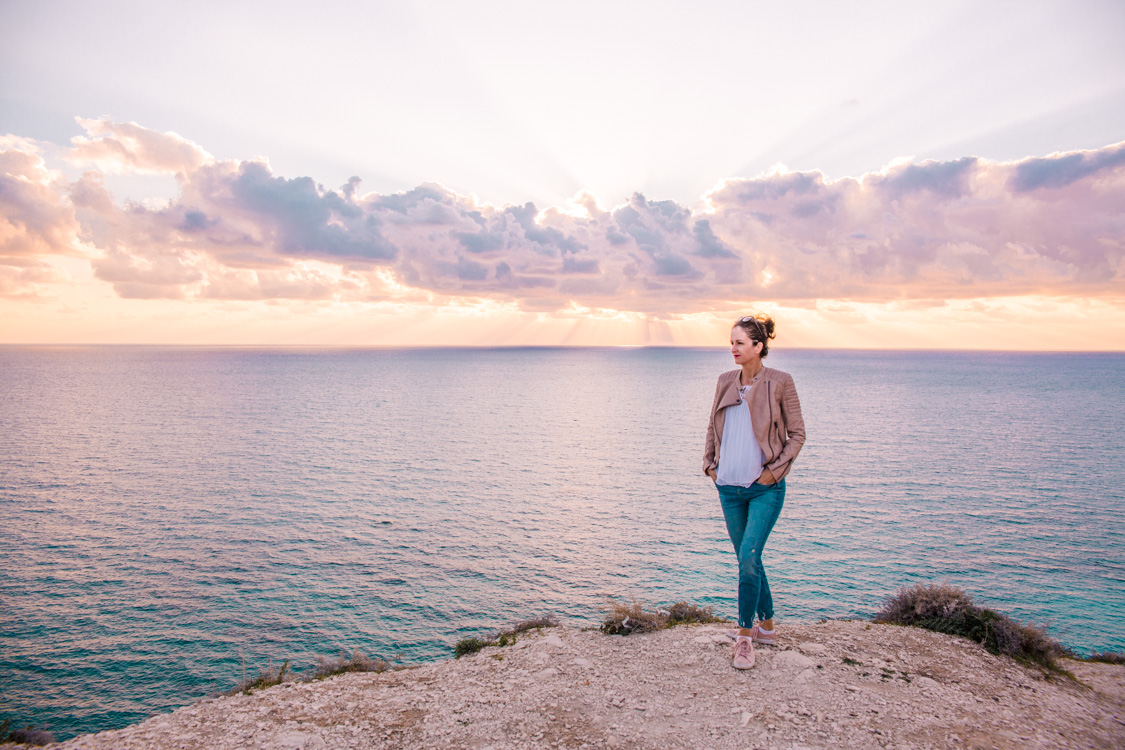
x,y
766,639
756,635
743,653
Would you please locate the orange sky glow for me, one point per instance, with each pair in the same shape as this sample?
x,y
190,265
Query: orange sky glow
x,y
83,310
964,254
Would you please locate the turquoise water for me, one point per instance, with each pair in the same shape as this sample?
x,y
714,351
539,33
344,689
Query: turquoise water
x,y
168,513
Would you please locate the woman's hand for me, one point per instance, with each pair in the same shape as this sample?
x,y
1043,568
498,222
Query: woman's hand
x,y
767,477
711,473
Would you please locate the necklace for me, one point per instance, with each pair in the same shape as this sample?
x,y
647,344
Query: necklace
x,y
753,380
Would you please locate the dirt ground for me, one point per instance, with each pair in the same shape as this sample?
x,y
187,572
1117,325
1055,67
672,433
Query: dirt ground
x,y
826,685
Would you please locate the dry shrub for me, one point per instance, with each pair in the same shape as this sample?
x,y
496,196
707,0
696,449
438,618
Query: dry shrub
x,y
354,662
1107,657
917,604
948,609
625,619
682,613
29,735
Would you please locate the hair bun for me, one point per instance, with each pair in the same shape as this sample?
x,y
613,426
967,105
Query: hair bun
x,y
767,324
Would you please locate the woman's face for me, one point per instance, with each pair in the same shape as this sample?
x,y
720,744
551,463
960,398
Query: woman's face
x,y
744,348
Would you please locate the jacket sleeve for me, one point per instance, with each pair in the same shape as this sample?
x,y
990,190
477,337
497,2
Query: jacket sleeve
x,y
794,427
709,443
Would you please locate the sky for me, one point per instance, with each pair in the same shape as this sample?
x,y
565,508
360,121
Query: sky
x,y
875,175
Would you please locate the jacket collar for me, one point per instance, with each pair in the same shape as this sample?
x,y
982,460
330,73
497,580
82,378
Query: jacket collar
x,y
730,395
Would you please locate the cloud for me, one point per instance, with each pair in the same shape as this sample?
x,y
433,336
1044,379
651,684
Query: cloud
x,y
710,246
1060,170
36,218
481,242
149,276
299,218
297,283
932,230
923,232
25,278
947,179
127,147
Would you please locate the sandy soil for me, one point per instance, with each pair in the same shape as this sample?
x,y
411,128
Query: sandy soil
x,y
826,685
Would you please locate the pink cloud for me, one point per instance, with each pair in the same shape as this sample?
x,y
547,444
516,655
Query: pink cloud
x,y
290,284
24,278
942,229
35,216
127,147
923,232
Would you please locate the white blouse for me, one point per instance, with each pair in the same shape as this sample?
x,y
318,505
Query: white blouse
x,y
740,456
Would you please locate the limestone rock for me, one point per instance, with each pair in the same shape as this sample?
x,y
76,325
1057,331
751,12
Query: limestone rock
x,y
298,741
791,660
673,689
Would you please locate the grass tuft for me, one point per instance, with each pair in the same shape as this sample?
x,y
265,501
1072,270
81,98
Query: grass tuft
x,y
355,662
948,609
626,619
535,623
505,637
29,735
1107,657
266,678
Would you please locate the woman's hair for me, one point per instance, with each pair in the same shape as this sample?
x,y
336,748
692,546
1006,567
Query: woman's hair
x,y
759,328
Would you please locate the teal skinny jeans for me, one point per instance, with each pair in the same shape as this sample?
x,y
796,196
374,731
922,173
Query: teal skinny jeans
x,y
750,513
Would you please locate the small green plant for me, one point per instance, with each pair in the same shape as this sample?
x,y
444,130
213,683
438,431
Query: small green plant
x,y
948,609
505,637
467,646
625,619
852,662
29,735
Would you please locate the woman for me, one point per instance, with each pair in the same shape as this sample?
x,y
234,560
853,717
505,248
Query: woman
x,y
754,433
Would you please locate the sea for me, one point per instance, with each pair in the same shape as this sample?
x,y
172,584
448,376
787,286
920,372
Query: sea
x,y
173,519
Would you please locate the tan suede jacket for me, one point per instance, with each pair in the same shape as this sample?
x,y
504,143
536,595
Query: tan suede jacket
x,y
775,413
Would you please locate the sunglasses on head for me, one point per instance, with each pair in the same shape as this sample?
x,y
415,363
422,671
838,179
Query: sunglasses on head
x,y
757,324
